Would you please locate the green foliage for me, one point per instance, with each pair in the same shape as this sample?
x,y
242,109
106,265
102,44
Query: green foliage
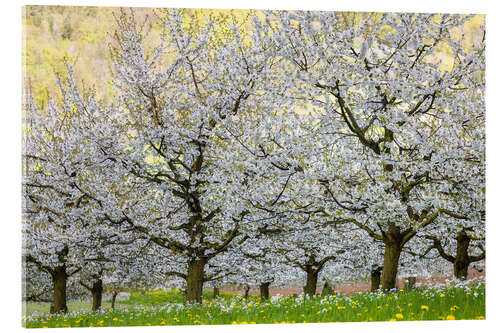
x,y
67,30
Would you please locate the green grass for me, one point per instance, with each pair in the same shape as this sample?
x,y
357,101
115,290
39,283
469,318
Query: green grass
x,y
30,308
161,297
460,302
152,298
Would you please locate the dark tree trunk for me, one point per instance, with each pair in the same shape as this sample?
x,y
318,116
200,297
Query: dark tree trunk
x,y
59,280
216,292
194,290
460,269
264,290
247,291
375,278
410,283
311,281
327,290
97,295
461,264
113,299
391,262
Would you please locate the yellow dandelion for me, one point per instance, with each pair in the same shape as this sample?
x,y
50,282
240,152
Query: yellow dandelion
x,y
234,323
442,295
425,307
399,315
450,317
392,319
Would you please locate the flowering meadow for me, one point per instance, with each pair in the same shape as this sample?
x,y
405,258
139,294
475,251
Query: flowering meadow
x,y
466,301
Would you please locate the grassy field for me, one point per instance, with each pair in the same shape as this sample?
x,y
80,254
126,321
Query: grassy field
x,y
135,299
166,308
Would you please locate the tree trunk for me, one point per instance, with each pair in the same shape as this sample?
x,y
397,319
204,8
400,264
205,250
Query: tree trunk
x,y
375,278
264,290
247,291
97,295
216,292
327,290
410,283
460,269
461,264
59,280
194,290
113,299
391,261
311,282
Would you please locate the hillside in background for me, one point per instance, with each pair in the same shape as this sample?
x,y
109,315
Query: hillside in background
x,y
82,36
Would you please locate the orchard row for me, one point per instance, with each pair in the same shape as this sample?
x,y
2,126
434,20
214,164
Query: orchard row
x,y
280,149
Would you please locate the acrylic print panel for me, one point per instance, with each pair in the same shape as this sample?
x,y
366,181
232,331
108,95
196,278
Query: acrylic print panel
x,y
196,166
